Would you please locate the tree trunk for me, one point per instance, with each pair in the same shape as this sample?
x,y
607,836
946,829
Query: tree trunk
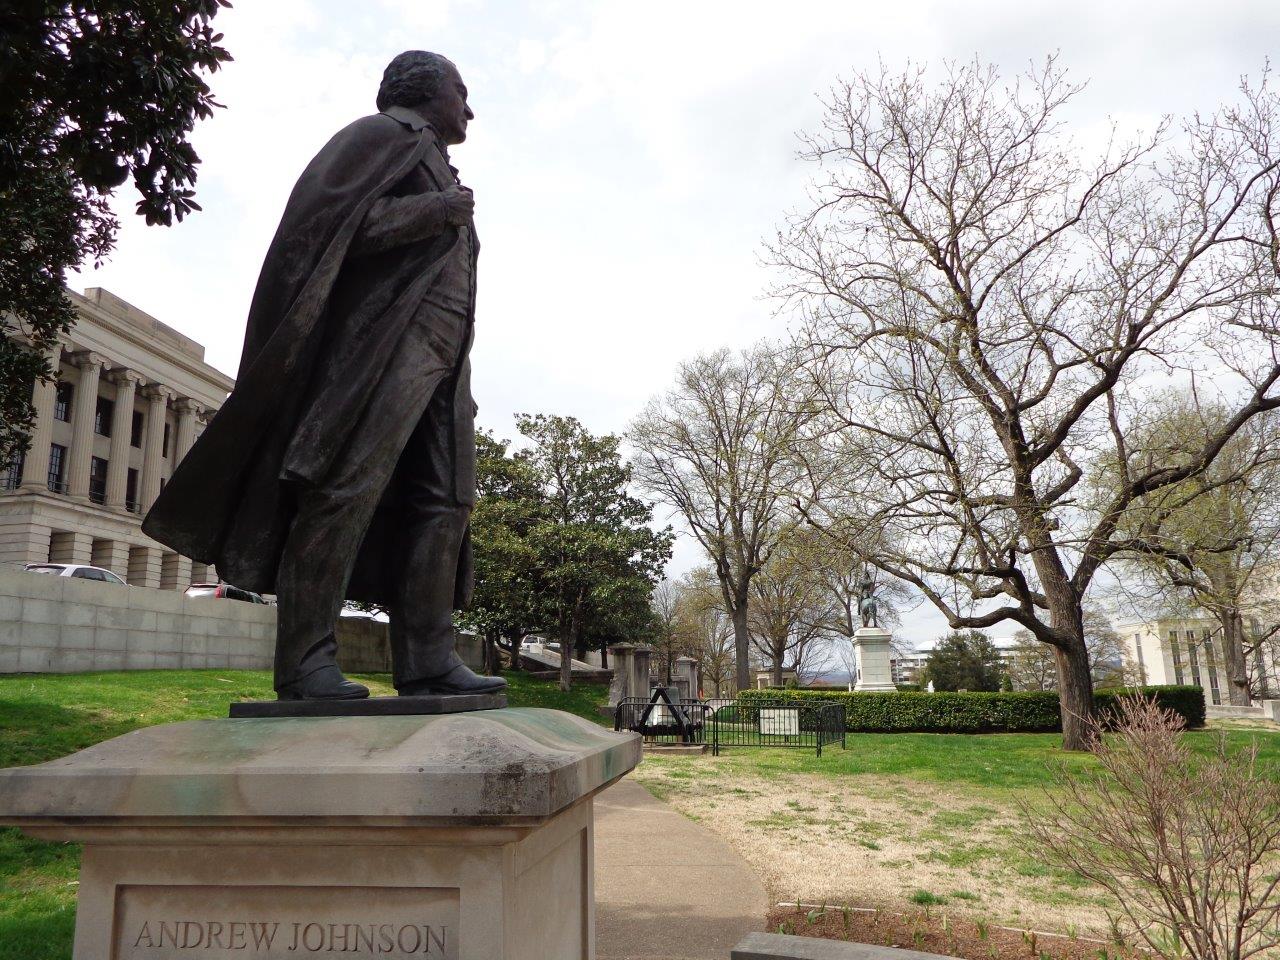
x,y
492,662
568,643
604,657
742,645
1233,654
517,636
1075,680
1075,694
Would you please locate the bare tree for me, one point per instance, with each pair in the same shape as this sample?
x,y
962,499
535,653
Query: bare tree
x,y
706,629
979,307
715,448
1188,846
667,641
791,608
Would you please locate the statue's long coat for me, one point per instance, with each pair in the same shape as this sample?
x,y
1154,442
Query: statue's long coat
x,y
230,500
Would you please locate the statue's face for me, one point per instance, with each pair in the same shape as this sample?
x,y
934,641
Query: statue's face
x,y
447,110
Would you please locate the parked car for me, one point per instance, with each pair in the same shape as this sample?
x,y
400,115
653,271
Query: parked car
x,y
79,570
223,591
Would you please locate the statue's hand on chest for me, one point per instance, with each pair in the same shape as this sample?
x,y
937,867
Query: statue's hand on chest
x,y
460,203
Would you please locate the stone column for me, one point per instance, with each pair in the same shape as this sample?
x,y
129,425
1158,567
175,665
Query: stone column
x,y
620,656
35,471
640,671
86,403
25,542
157,398
871,651
126,382
184,573
144,566
113,555
69,546
188,410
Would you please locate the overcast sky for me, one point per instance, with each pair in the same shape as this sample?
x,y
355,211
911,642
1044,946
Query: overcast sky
x,y
627,159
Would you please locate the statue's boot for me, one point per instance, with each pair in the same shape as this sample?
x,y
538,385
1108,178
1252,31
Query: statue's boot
x,y
460,679
327,683
423,639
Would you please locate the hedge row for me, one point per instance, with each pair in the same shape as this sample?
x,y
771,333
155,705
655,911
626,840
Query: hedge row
x,y
1026,712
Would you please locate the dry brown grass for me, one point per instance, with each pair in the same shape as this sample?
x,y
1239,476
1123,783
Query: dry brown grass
x,y
878,841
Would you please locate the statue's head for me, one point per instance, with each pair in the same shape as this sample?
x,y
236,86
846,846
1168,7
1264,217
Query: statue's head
x,y
430,85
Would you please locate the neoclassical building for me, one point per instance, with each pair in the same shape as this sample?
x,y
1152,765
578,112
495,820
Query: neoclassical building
x,y
1189,650
130,398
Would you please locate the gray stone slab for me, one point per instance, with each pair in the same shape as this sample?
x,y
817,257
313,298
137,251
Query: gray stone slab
x,y
514,766
369,706
776,946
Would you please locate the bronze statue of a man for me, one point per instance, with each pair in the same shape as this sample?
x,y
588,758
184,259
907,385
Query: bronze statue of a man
x,y
342,467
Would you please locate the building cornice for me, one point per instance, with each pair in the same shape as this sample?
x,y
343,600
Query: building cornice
x,y
126,331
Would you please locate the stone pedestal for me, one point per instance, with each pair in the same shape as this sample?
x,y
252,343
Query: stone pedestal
x,y
630,666
871,653
462,836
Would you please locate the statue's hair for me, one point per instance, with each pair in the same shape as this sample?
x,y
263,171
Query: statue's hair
x,y
412,77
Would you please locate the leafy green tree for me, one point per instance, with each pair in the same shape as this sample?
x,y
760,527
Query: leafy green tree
x,y
93,94
597,559
964,660
509,503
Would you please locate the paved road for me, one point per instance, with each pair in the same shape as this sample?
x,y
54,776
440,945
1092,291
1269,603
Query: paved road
x,y
667,888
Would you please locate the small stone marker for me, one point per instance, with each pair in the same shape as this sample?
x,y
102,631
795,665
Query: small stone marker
x,y
463,836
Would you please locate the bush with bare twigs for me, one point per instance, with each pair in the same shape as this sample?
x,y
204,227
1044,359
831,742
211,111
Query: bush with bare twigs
x,y
1188,845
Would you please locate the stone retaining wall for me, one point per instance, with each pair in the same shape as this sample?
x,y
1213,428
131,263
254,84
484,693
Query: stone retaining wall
x,y
67,625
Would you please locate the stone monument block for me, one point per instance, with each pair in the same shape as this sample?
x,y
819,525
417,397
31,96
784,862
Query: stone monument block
x,y
453,836
871,649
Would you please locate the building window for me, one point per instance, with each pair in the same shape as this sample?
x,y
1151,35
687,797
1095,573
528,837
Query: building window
x,y
1142,663
131,491
62,401
102,417
1177,657
57,462
135,431
98,479
1194,658
164,449
11,476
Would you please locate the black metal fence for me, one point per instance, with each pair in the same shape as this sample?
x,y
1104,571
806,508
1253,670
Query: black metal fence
x,y
727,723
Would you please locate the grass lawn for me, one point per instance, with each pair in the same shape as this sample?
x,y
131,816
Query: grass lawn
x,y
900,820
894,821
43,716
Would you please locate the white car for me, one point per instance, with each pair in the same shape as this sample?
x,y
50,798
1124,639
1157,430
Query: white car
x,y
79,570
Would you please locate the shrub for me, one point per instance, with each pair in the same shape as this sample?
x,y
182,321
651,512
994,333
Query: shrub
x,y
1025,712
1188,846
1187,702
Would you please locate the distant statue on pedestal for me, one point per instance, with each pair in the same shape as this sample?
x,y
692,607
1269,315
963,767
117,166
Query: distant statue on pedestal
x,y
867,605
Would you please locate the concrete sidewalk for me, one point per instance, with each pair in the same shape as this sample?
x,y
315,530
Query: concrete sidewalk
x,y
666,888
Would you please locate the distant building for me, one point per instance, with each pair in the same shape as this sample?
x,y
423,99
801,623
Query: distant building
x,y
1188,650
764,678
130,398
907,668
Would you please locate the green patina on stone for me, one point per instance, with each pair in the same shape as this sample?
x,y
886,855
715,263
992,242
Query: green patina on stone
x,y
515,761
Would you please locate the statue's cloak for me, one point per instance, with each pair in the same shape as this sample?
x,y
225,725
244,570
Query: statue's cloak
x,y
231,499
